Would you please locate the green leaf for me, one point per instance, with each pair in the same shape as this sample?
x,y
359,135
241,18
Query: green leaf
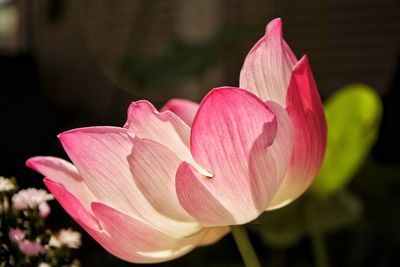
x,y
353,115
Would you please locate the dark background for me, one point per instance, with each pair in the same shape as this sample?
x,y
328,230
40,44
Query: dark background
x,y
68,64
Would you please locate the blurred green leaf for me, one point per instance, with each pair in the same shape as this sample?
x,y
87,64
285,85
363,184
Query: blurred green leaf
x,y
353,115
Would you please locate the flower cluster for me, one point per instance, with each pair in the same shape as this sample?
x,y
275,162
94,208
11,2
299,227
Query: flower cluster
x,y
24,239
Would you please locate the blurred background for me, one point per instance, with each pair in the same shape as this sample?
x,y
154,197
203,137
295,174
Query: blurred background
x,y
67,64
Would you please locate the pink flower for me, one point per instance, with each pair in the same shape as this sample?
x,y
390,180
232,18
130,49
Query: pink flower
x,y
121,188
156,188
44,209
16,235
262,145
31,248
28,247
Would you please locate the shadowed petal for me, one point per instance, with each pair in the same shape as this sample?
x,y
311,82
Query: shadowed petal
x,y
213,235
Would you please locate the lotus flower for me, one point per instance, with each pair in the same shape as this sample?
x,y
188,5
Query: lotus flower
x,y
121,187
261,145
156,188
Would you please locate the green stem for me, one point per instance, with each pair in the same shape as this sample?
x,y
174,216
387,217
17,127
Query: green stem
x,y
319,249
317,239
244,245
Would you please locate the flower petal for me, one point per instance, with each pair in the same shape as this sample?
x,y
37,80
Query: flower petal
x,y
165,128
183,108
153,167
214,234
279,152
72,205
198,199
231,134
63,172
130,235
85,218
267,68
101,156
305,109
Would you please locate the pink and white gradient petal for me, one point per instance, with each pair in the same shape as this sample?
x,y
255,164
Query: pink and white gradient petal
x,y
63,172
85,218
184,109
305,109
267,68
134,235
100,154
165,128
231,135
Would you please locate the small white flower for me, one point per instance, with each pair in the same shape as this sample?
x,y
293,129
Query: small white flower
x,y
44,264
6,184
30,198
66,237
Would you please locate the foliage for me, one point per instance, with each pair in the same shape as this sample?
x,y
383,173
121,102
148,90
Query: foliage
x,y
353,115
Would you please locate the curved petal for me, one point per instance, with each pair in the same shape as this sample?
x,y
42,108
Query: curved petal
x,y
165,128
101,157
267,68
153,167
183,108
280,151
63,172
100,153
72,205
85,218
305,109
231,137
132,235
196,197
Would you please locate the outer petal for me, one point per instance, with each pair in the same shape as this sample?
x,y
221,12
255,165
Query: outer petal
x,y
63,172
267,68
100,154
185,109
132,235
231,137
305,109
72,206
88,222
